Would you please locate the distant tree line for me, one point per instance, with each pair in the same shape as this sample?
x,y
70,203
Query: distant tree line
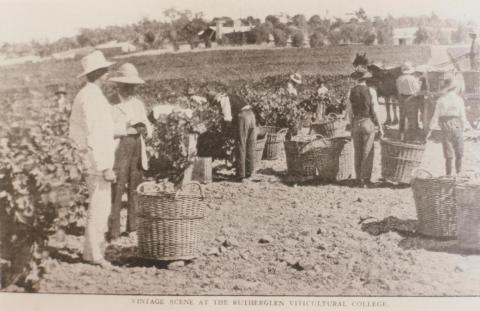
x,y
178,27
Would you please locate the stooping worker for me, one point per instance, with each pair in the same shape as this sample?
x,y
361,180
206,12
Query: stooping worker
x,y
451,118
92,133
361,112
242,121
131,125
294,81
408,87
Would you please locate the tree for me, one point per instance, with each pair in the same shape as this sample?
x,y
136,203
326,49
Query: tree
x,y
280,37
361,15
272,19
297,39
370,39
317,39
300,21
460,35
262,32
422,36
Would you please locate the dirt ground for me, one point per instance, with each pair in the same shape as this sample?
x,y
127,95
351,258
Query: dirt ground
x,y
265,237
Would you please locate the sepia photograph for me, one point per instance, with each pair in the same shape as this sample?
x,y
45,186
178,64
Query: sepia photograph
x,y
273,152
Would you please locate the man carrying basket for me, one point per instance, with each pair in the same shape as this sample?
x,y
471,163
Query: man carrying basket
x,y
362,114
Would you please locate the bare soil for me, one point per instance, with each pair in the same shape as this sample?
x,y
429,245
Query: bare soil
x,y
265,237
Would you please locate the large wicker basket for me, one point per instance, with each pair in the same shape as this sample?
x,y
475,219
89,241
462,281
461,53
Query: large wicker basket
x,y
472,82
322,158
468,215
343,158
399,159
275,139
259,147
334,126
435,80
435,203
169,223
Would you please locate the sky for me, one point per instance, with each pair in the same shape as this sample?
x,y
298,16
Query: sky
x,y
24,20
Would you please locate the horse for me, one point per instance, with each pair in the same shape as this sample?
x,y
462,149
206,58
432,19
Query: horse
x,y
385,82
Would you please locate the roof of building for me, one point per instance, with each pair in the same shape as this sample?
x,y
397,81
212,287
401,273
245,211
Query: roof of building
x,y
405,32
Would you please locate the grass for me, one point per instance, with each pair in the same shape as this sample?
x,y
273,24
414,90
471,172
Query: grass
x,y
221,65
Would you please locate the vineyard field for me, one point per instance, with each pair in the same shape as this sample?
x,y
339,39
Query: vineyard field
x,y
267,236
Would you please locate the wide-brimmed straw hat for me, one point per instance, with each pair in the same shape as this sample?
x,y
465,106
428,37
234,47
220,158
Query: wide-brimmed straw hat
x,y
361,73
408,68
296,77
94,61
128,74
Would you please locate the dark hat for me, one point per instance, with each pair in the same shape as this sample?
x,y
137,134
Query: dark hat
x,y
60,90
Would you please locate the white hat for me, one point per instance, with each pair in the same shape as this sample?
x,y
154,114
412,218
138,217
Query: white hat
x,y
127,74
407,68
296,77
92,62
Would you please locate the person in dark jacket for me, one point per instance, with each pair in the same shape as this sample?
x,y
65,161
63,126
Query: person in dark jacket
x,y
242,121
362,113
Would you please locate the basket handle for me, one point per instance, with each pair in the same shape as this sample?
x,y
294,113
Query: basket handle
x,y
150,183
282,131
318,137
202,195
418,170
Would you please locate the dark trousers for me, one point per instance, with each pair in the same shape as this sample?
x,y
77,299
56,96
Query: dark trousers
x,y
129,175
245,141
409,109
363,134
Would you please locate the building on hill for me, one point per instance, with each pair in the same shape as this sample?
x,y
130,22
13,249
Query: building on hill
x,y
238,27
404,35
114,47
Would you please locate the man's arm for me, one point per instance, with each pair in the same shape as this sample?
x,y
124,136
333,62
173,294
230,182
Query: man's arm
x,y
100,135
374,98
226,108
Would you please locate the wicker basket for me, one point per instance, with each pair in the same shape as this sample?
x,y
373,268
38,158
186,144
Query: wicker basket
x,y
169,223
275,139
343,158
311,158
435,80
259,147
472,82
334,126
399,159
435,203
468,215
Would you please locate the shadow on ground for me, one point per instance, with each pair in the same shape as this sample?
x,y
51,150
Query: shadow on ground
x,y
126,256
412,239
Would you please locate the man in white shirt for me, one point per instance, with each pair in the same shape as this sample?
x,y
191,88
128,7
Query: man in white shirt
x,y
451,119
92,131
131,125
408,87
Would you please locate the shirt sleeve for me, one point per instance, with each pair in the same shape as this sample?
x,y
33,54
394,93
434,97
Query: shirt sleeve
x,y
348,110
100,132
119,122
226,108
434,121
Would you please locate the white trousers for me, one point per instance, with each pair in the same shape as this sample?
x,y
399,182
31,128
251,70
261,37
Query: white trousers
x,y
97,217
